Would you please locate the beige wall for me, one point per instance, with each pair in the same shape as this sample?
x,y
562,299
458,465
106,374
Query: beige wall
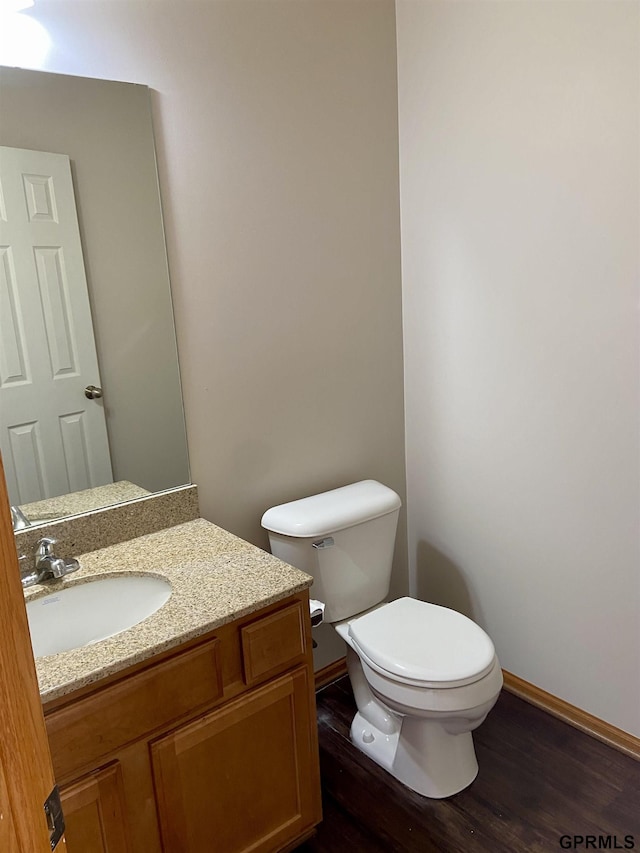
x,y
277,140
519,154
105,129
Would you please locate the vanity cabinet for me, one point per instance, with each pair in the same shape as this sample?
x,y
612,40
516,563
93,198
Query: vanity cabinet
x,y
209,747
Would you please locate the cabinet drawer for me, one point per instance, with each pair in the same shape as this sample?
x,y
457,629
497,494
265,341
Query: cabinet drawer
x,y
272,644
92,728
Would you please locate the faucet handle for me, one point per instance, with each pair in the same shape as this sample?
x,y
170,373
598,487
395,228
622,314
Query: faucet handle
x,y
45,547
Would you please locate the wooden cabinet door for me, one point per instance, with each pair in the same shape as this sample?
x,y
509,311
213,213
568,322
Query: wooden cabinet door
x,y
94,813
244,777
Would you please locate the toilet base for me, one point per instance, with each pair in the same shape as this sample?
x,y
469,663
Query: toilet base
x,y
377,745
422,755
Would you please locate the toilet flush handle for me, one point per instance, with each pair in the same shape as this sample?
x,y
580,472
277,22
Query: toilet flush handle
x,y
323,543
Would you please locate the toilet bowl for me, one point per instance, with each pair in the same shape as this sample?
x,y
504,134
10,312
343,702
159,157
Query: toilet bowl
x,y
423,676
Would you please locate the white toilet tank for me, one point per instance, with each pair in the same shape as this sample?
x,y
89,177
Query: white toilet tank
x,y
344,539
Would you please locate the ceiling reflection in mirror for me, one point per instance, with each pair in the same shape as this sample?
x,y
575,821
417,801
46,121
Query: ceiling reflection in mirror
x,y
90,400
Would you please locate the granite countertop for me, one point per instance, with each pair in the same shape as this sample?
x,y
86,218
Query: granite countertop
x,y
216,578
83,501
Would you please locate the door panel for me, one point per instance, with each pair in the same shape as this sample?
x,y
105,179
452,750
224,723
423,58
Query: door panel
x,y
26,774
241,778
8,837
53,438
94,813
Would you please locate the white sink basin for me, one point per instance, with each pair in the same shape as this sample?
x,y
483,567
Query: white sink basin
x,y
88,612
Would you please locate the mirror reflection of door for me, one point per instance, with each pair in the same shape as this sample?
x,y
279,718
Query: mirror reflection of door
x,y
52,436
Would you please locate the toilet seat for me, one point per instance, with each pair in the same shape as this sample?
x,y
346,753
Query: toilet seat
x,y
421,644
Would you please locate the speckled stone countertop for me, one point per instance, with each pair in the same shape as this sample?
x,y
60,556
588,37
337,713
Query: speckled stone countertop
x,y
216,578
83,501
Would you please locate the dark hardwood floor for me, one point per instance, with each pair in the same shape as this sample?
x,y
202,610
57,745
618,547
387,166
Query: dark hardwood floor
x,y
540,779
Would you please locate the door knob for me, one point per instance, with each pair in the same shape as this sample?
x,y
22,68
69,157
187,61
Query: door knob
x,y
91,392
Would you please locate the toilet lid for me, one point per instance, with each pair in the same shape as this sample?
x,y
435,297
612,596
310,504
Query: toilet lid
x,y
424,644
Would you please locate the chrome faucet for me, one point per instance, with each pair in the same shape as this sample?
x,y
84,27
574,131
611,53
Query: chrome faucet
x,y
49,567
19,519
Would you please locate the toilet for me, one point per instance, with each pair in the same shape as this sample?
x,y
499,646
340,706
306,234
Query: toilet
x,y
423,676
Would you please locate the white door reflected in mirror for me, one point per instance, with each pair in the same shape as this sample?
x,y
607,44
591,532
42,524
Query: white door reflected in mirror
x,y
53,437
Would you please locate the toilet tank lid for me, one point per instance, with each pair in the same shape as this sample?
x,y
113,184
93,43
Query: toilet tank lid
x,y
328,512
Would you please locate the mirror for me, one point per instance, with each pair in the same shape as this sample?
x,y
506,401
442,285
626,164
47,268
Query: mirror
x,y
102,131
